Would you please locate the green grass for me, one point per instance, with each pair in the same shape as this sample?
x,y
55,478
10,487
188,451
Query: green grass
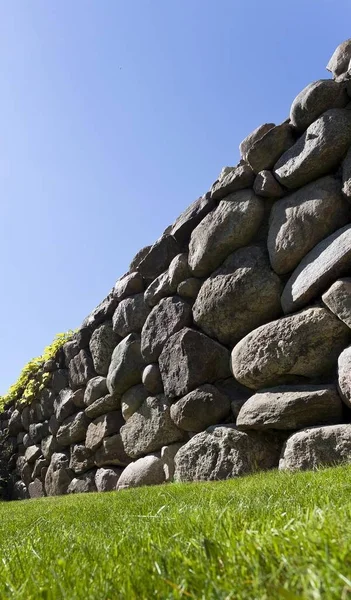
x,y
272,535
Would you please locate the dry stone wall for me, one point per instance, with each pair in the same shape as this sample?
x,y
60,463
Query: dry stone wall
x,y
226,348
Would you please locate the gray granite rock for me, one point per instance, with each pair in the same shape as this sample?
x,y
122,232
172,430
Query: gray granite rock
x,y
112,452
189,288
128,285
150,428
58,476
130,315
152,379
339,63
102,344
317,447
200,408
304,218
267,186
190,359
83,484
147,470
81,369
96,388
73,429
223,452
103,405
102,427
325,263
314,100
191,217
263,153
344,376
338,299
230,226
132,399
318,151
106,479
239,296
36,489
238,178
158,258
169,316
126,365
81,459
166,284
306,344
291,408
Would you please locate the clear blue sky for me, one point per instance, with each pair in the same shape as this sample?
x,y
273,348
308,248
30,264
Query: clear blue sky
x,y
114,116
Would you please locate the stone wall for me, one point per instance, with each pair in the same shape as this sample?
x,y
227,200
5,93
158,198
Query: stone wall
x,y
226,348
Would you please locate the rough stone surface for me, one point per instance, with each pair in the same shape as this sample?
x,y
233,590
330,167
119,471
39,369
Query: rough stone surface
x,y
346,175
73,429
306,344
230,226
168,454
132,399
126,365
267,186
166,284
265,151
32,453
81,369
291,408
49,445
159,257
130,315
254,137
144,471
102,344
338,299
327,261
128,285
239,296
64,406
238,178
140,255
102,427
344,375
106,479
36,489
314,100
83,484
340,61
189,359
152,379
189,288
150,428
223,452
169,316
112,452
191,217
96,388
302,219
101,313
200,408
81,459
58,476
317,151
102,406
235,392
15,423
316,447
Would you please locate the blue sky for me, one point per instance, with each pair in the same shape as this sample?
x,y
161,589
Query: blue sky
x,y
114,116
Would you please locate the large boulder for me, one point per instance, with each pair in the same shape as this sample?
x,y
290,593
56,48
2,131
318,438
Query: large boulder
x,y
265,150
317,447
64,406
189,359
132,399
101,313
239,296
267,186
254,137
58,476
73,429
102,427
314,100
302,219
169,316
200,408
102,344
36,489
81,369
291,407
112,452
150,428
223,452
126,365
130,315
230,226
49,445
147,470
318,151
306,344
106,479
103,405
191,217
238,178
338,299
327,261
339,64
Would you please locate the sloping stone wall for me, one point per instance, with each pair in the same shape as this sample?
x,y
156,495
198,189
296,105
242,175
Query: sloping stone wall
x,y
226,348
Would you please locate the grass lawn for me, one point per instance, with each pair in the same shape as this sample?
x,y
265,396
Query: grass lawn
x,y
271,535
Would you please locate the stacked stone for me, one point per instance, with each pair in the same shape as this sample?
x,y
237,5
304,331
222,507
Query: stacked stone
x,y
225,349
